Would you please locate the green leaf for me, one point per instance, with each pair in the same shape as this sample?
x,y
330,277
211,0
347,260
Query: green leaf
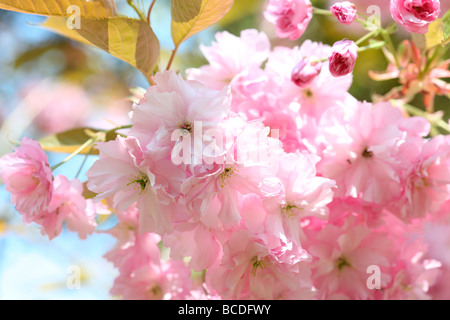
x,y
192,16
127,39
71,140
446,22
92,8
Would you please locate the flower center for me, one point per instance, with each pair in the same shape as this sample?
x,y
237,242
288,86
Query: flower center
x,y
342,263
186,126
156,292
366,153
142,180
226,174
308,93
261,263
288,208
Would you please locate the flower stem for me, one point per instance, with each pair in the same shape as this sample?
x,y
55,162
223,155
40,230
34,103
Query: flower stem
x,y
141,16
367,36
150,11
76,152
376,45
174,52
322,12
390,45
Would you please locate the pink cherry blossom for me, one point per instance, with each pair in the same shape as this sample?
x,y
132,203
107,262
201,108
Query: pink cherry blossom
x,y
415,15
361,147
123,172
344,11
229,56
251,270
343,58
28,177
427,180
322,93
291,17
342,255
174,103
67,206
305,71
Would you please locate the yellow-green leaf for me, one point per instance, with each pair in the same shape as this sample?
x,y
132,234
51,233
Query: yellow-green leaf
x,y
192,16
128,39
435,34
88,8
69,141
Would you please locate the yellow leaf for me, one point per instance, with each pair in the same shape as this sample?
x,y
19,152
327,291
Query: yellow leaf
x,y
127,39
435,34
88,8
59,26
192,16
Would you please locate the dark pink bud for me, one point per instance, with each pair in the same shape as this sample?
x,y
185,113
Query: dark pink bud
x,y
344,11
343,58
305,71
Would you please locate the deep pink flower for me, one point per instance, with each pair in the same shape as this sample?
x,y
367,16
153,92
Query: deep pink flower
x,y
415,15
343,58
344,11
291,17
28,178
305,71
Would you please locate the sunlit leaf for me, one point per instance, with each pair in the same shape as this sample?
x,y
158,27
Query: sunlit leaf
x,y
91,8
69,141
192,16
435,34
128,39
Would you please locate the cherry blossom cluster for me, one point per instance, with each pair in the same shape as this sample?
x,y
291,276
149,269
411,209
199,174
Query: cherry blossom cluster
x,y
260,176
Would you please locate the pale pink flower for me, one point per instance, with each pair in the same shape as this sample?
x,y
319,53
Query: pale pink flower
x,y
305,194
196,241
174,103
344,11
342,255
161,281
251,270
412,273
313,99
67,206
415,15
229,56
213,193
291,17
133,248
362,143
28,177
124,172
427,180
343,58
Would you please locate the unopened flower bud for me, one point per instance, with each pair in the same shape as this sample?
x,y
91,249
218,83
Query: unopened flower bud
x,y
343,58
305,71
344,11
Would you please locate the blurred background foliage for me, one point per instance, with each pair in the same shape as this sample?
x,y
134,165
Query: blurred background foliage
x,y
32,56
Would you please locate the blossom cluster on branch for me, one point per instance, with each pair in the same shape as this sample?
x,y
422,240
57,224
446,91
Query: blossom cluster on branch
x,y
262,177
